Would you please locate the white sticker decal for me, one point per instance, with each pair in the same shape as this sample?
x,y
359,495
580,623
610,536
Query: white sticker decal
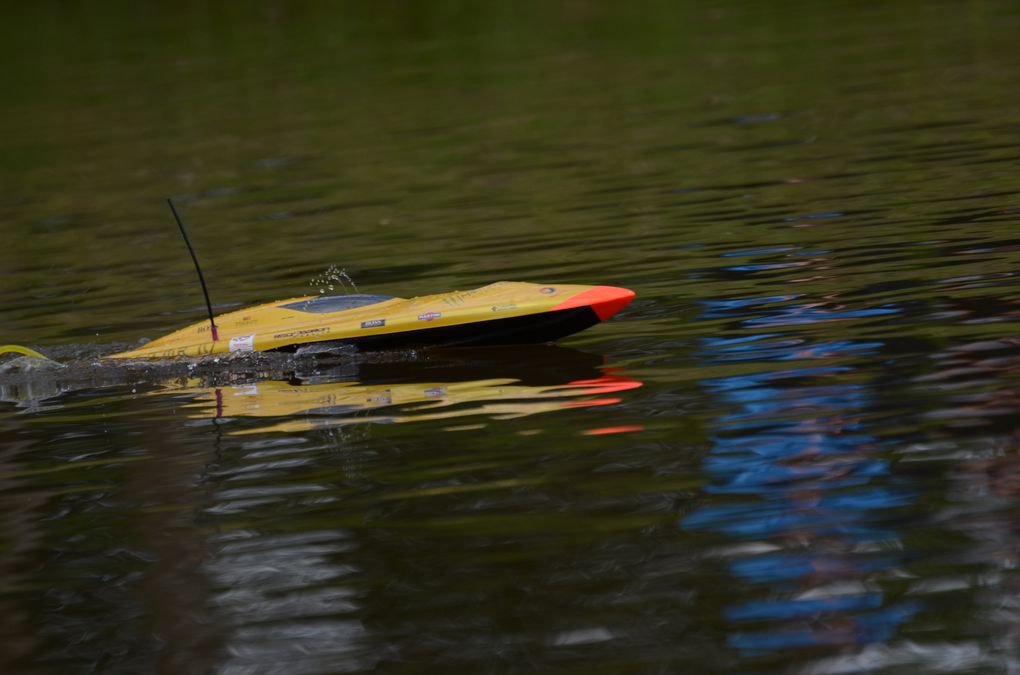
x,y
243,343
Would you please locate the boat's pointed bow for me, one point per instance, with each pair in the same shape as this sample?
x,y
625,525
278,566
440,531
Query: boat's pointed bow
x,y
605,301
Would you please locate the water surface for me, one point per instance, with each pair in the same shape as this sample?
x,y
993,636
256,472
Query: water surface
x,y
796,451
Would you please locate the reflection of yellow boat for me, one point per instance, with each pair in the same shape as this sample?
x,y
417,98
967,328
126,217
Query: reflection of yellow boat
x,y
341,403
500,313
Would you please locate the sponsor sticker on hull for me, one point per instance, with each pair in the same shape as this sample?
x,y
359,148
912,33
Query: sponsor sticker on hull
x,y
429,316
459,297
504,308
374,323
243,343
301,333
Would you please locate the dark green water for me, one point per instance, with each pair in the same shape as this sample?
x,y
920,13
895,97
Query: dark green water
x,y
795,452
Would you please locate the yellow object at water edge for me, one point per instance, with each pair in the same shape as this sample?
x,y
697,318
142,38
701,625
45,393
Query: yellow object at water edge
x,y
24,351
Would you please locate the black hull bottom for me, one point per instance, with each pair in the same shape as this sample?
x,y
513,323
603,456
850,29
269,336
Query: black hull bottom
x,y
515,330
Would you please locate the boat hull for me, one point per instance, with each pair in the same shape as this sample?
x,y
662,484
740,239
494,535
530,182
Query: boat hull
x,y
517,330
501,313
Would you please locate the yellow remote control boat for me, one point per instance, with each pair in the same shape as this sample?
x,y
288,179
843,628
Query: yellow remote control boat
x,y
497,314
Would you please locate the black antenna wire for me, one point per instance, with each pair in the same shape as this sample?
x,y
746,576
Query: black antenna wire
x,y
198,268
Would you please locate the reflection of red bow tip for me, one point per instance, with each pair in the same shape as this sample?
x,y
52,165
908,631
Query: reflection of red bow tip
x,y
604,385
605,431
590,402
605,378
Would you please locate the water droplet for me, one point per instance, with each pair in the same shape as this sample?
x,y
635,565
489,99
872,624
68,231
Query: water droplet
x,y
333,277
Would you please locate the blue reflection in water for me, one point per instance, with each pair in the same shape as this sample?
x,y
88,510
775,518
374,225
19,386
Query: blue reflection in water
x,y
714,309
794,467
805,314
